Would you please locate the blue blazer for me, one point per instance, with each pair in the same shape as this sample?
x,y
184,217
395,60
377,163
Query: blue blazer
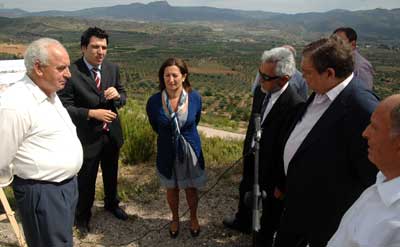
x,y
330,169
161,124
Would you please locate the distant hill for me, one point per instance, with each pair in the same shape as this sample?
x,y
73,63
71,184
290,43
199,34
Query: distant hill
x,y
372,25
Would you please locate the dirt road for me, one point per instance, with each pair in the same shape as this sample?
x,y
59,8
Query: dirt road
x,y
210,132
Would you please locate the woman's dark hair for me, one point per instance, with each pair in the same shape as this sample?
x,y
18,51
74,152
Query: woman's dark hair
x,y
182,68
93,32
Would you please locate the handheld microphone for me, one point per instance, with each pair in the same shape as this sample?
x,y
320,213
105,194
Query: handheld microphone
x,y
257,126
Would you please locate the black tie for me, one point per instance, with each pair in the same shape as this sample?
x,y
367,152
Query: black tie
x,y
264,104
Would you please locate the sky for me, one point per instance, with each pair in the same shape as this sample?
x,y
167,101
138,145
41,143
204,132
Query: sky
x,y
281,6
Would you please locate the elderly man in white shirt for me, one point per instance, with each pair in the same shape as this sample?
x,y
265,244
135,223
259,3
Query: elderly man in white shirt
x,y
374,219
40,147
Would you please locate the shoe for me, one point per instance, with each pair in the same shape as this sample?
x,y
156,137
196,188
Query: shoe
x,y
118,212
194,232
83,228
194,227
173,233
234,224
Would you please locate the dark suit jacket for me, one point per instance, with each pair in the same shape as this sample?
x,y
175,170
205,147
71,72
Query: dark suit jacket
x,y
273,129
330,168
81,94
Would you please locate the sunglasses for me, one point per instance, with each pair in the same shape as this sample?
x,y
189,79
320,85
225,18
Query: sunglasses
x,y
267,77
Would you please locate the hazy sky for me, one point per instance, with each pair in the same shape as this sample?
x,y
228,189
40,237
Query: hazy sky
x,y
283,6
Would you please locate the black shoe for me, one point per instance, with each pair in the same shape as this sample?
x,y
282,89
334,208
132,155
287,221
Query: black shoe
x,y
235,224
83,228
194,232
118,212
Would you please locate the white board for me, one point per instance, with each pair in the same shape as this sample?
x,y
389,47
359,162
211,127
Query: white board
x,y
11,71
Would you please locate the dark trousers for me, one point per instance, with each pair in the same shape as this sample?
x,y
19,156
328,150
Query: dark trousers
x,y
47,211
270,219
106,153
244,212
271,210
288,238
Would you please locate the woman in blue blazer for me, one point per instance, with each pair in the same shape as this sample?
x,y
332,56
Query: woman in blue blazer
x,y
174,113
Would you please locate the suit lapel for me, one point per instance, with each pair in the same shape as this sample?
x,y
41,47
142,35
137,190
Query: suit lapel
x,y
86,75
299,115
335,112
277,107
105,74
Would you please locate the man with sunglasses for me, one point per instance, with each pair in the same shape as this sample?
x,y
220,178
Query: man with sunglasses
x,y
297,80
275,100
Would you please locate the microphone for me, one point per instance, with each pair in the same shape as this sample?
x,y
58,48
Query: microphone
x,y
257,126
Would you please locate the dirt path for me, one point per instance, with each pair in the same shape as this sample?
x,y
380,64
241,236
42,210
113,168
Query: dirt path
x,y
210,132
152,213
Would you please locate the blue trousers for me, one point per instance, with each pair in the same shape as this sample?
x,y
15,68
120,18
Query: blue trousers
x,y
47,211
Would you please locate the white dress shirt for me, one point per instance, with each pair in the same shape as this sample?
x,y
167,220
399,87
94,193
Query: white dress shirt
x,y
274,97
374,219
38,139
313,113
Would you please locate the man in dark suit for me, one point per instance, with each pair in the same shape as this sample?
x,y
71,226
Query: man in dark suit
x,y
324,156
92,97
275,100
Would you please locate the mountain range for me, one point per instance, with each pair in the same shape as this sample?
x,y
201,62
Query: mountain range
x,y
371,24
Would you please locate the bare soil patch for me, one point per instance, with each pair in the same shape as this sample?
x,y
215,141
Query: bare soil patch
x,y
15,49
149,212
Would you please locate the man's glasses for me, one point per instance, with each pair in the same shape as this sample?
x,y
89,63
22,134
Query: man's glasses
x,y
267,77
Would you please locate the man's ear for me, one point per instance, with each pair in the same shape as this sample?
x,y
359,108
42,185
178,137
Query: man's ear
x,y
38,68
331,72
353,44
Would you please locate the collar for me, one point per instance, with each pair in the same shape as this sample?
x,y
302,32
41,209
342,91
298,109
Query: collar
x,y
275,95
334,92
277,92
388,190
89,66
37,93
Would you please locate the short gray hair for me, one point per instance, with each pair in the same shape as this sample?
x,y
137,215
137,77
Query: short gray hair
x,y
395,120
284,59
37,52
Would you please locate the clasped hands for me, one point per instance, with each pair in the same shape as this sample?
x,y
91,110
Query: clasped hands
x,y
105,115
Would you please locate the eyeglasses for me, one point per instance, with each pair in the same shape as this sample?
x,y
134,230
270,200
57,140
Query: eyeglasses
x,y
267,77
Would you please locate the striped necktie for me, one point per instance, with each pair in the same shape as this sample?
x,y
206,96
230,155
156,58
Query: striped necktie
x,y
96,76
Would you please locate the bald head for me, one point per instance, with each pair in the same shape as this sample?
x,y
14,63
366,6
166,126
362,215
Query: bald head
x,y
383,135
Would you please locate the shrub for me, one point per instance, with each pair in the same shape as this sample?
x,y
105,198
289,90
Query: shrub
x,y
140,139
219,152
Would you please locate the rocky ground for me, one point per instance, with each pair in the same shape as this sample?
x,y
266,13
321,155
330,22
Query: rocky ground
x,y
149,218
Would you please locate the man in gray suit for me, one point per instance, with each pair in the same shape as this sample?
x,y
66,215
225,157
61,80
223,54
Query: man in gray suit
x,y
363,69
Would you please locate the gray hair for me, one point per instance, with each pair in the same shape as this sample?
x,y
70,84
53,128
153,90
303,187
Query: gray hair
x,y
284,59
395,120
37,52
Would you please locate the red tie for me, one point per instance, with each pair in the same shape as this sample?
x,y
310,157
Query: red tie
x,y
96,74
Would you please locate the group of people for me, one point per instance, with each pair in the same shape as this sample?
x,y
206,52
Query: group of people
x,y
318,152
67,125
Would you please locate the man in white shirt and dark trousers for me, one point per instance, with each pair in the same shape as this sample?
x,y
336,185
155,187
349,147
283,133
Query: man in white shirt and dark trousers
x,y
325,166
374,219
40,147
